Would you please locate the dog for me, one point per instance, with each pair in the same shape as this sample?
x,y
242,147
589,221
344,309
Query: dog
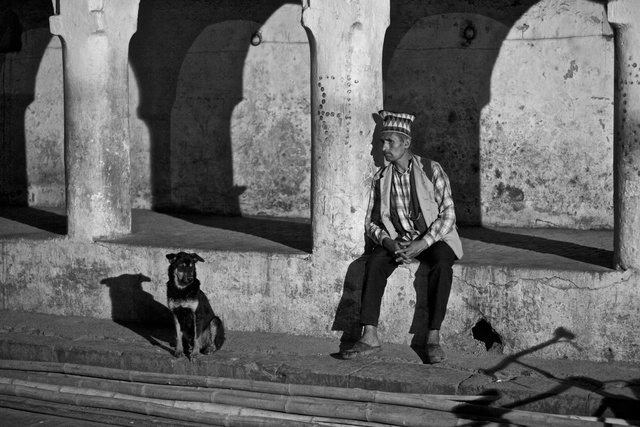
x,y
198,329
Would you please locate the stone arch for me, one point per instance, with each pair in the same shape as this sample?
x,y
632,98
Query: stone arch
x,y
163,113
469,78
239,124
270,126
441,72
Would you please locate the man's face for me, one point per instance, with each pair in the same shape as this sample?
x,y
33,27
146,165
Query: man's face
x,y
394,145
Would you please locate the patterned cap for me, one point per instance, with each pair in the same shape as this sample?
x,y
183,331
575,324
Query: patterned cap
x,y
396,122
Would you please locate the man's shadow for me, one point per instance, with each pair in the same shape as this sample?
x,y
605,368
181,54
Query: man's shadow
x,y
348,311
137,310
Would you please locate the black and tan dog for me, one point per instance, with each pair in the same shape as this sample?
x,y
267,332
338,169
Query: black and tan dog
x,y
198,329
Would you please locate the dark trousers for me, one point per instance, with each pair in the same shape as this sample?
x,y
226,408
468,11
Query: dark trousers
x,y
439,257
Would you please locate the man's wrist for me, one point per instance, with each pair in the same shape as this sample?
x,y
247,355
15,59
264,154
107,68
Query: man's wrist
x,y
428,240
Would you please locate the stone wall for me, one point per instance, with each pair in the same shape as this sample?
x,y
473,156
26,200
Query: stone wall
x,y
514,101
543,312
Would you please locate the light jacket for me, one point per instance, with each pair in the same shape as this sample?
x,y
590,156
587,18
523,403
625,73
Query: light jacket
x,y
422,190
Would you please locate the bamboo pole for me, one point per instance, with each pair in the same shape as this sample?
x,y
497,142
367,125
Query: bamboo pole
x,y
148,408
371,412
407,399
462,410
95,415
389,414
142,393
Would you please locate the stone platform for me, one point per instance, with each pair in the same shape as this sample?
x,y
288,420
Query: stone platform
x,y
546,292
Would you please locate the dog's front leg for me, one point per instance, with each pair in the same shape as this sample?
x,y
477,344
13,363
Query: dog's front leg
x,y
195,349
179,352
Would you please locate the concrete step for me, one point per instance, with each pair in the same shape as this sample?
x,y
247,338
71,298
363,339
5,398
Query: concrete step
x,y
521,381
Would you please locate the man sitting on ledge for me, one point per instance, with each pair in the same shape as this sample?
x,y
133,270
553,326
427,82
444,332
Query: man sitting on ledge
x,y
410,216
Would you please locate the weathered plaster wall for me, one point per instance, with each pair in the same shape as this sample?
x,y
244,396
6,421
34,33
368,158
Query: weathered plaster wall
x,y
519,111
44,121
546,135
216,125
32,161
292,294
223,126
241,120
444,80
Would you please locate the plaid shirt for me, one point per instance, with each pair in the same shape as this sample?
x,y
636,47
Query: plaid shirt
x,y
401,201
443,224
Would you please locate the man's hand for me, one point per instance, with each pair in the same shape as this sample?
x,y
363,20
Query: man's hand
x,y
410,250
404,251
391,245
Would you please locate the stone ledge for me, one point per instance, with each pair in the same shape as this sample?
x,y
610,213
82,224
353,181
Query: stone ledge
x,y
543,386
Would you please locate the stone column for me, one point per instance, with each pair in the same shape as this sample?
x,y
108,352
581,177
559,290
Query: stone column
x,y
346,38
624,16
95,39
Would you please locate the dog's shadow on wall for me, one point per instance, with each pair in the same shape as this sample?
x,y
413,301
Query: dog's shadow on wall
x,y
137,310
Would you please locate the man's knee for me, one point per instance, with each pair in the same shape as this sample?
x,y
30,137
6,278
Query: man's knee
x,y
442,267
440,257
379,261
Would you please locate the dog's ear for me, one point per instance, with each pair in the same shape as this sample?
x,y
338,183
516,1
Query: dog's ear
x,y
197,257
171,257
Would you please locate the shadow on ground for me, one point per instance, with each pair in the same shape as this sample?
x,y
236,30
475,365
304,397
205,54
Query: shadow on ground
x,y
611,405
295,233
576,252
38,218
137,310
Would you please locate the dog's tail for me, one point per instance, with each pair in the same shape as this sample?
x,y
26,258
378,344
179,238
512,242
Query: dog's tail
x,y
220,338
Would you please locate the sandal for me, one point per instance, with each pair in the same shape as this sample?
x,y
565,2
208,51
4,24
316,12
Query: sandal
x,y
435,354
360,349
